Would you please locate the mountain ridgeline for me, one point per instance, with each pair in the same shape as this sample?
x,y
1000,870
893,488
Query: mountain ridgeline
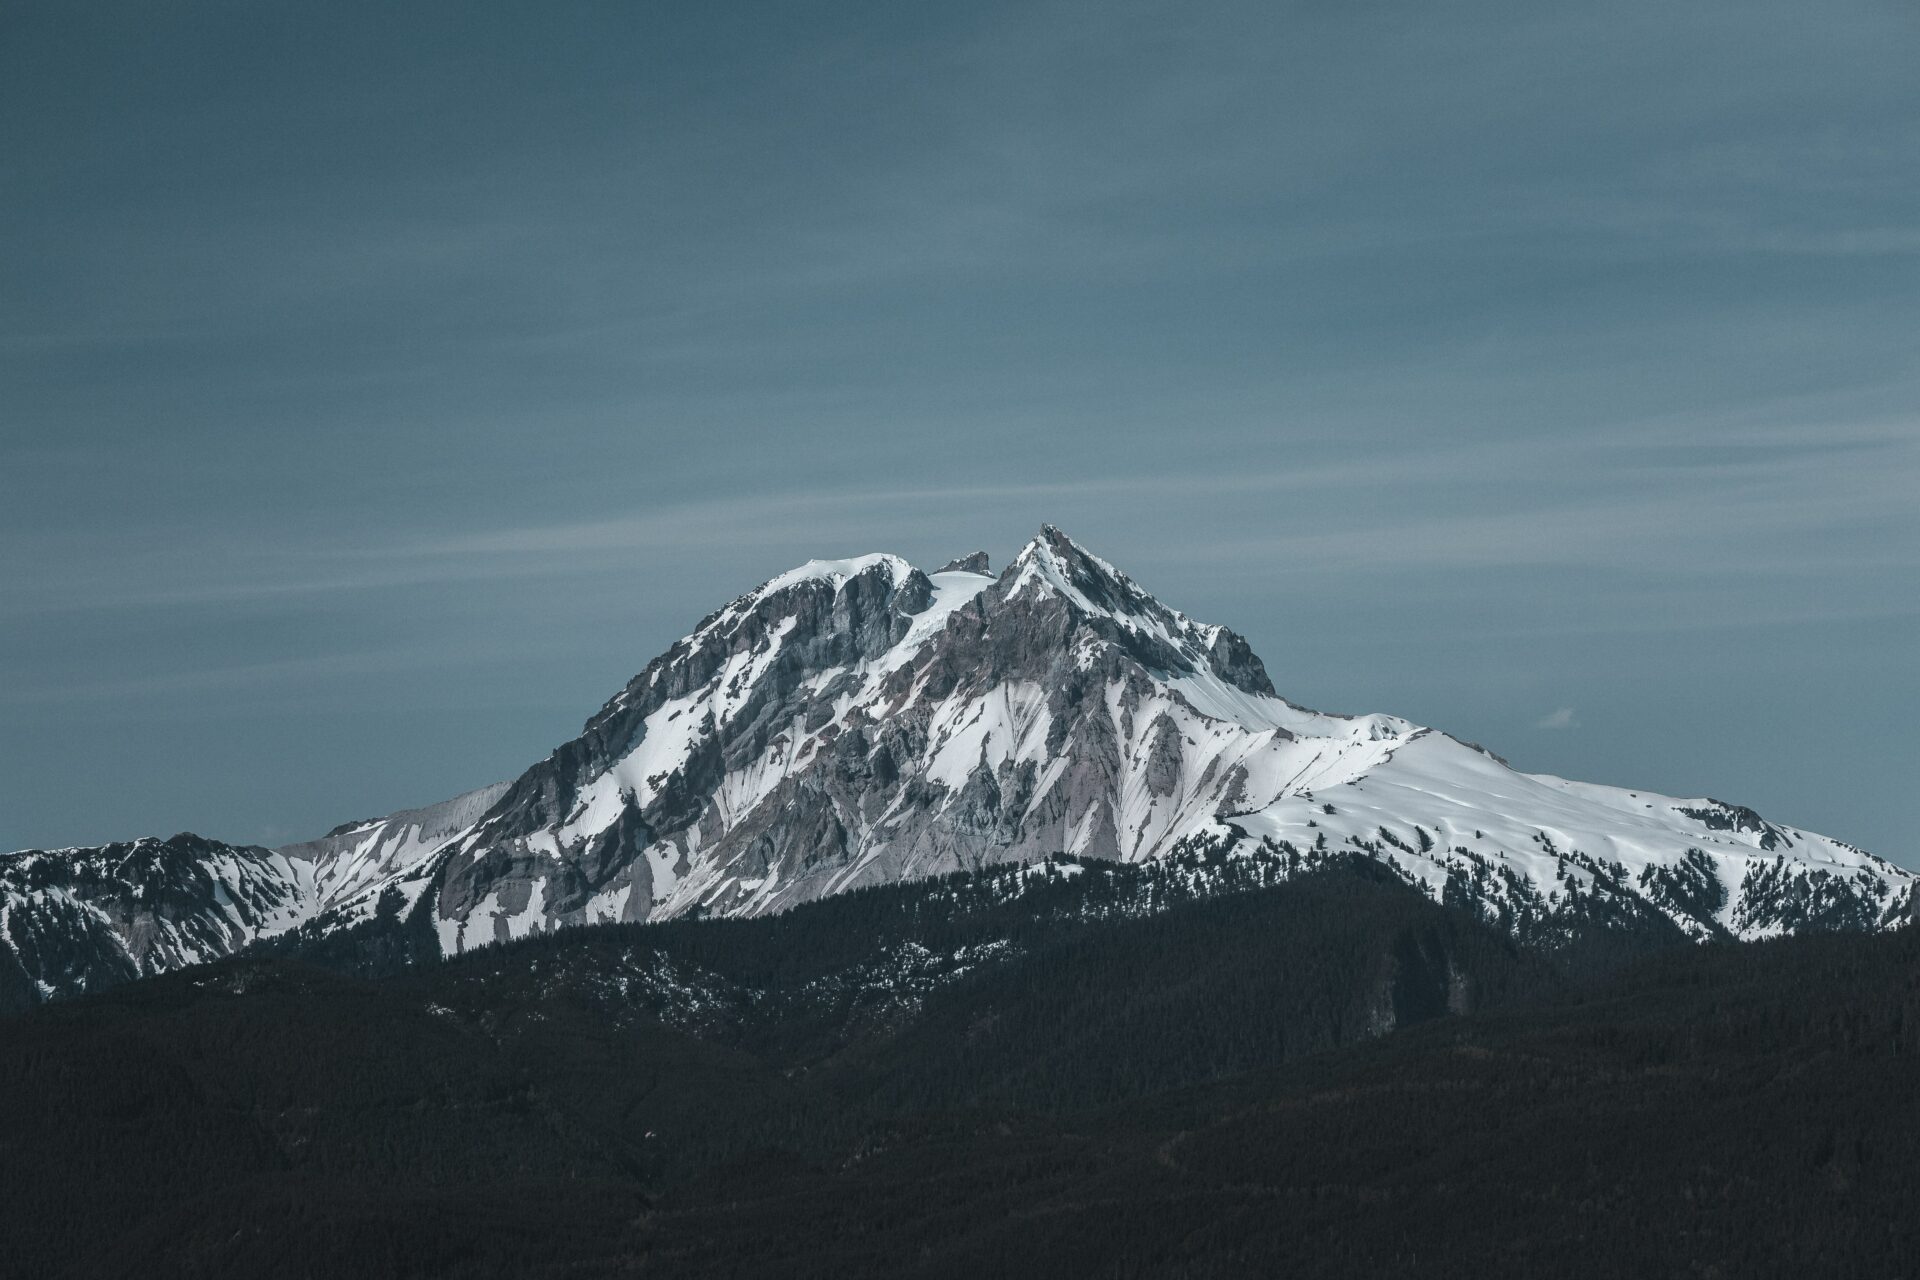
x,y
858,723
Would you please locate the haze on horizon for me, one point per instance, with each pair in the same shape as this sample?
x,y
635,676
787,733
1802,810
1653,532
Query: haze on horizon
x,y
381,388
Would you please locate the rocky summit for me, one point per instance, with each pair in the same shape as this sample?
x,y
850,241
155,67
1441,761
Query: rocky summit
x,y
857,722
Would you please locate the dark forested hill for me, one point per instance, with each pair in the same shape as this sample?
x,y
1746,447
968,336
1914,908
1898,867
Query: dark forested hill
x,y
1071,1072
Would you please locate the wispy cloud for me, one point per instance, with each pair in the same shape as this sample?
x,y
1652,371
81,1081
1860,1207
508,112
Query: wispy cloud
x,y
1744,504
1560,719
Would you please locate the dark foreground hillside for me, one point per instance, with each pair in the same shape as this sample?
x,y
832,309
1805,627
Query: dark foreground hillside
x,y
1334,1076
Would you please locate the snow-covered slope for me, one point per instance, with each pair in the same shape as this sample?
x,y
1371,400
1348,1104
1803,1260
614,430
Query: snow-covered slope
x,y
74,920
354,863
858,721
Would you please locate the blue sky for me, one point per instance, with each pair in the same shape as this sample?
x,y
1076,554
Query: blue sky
x,y
379,390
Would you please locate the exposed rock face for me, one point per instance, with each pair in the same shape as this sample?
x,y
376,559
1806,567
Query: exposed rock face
x,y
74,920
858,721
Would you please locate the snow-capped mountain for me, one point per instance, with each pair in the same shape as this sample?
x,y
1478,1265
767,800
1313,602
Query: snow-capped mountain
x,y
73,920
853,722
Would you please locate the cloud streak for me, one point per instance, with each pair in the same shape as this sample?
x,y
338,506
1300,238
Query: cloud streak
x,y
1768,503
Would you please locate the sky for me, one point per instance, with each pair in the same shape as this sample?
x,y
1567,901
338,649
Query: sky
x,y
381,386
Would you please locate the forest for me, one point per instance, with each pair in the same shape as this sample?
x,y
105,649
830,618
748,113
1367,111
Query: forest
x,y
1087,1071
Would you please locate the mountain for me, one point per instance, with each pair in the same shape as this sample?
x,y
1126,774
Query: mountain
x,y
74,920
859,722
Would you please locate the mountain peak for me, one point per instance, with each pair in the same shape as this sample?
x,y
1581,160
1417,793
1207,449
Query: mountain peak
x,y
876,583
837,572
1052,541
976,562
1056,563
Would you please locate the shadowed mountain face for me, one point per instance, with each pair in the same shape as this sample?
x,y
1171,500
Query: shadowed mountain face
x,y
860,722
